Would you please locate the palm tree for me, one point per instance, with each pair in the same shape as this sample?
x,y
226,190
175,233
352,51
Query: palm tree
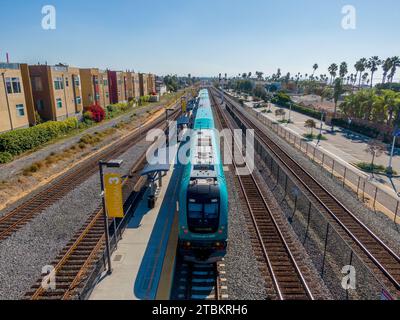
x,y
310,124
386,66
315,67
280,112
360,67
375,148
343,70
395,64
259,75
337,92
372,65
364,77
333,68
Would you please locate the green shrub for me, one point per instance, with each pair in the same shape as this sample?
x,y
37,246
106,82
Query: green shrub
x,y
5,157
283,100
21,140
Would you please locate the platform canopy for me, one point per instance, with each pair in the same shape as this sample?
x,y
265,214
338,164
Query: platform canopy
x,y
155,168
183,121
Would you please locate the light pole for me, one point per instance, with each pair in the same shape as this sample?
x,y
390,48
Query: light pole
x,y
167,123
395,135
290,112
107,164
321,127
7,100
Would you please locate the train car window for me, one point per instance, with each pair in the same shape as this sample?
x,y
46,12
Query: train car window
x,y
211,210
195,211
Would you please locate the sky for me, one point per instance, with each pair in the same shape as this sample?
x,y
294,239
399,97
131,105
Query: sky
x,y
201,37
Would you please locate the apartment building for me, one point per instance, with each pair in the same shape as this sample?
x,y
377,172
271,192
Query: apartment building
x,y
143,84
118,87
57,92
95,88
151,84
16,103
133,85
122,86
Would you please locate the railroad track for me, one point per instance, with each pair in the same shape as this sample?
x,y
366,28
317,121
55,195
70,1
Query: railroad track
x,y
287,278
380,254
21,215
199,281
79,257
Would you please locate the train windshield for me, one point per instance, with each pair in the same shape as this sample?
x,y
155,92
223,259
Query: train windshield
x,y
203,217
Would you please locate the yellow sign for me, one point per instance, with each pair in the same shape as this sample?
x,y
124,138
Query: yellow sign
x,y
113,195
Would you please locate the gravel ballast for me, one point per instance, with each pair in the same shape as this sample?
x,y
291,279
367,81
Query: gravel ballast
x,y
244,278
38,243
338,252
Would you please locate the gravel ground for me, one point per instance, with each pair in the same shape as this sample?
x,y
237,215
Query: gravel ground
x,y
380,224
9,170
305,262
338,252
39,242
244,278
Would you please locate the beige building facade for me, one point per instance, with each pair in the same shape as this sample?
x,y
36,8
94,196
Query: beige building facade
x,y
16,103
57,92
95,88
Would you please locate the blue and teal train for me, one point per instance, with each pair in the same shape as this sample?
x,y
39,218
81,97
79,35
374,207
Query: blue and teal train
x,y
203,200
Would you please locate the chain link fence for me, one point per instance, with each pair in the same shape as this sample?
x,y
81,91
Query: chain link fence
x,y
341,268
351,178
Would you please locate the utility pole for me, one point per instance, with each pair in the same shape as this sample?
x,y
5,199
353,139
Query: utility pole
x,y
8,101
321,127
395,135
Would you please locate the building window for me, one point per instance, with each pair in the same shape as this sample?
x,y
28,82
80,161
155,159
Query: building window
x,y
20,110
96,80
107,95
37,84
39,105
97,97
66,82
8,85
13,85
105,82
59,83
59,103
77,81
78,100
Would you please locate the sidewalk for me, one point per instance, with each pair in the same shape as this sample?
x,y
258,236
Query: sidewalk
x,y
148,245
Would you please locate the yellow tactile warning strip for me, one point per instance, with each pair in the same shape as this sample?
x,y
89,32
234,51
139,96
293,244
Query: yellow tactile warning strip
x,y
167,273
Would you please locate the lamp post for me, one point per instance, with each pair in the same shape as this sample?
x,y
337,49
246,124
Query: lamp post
x,y
167,123
107,164
321,127
3,71
290,112
395,135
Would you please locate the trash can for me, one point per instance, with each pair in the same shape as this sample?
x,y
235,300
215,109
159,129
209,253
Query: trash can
x,y
151,203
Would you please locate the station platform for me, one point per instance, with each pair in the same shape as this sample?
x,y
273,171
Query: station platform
x,y
143,263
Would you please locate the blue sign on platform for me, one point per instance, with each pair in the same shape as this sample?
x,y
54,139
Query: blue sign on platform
x,y
397,133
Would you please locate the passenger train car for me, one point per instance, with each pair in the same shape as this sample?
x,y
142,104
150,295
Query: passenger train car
x,y
203,200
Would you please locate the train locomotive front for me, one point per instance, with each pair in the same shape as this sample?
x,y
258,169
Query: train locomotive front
x,y
203,202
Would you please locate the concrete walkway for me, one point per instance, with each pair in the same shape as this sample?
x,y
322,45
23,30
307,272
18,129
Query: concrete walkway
x,y
138,261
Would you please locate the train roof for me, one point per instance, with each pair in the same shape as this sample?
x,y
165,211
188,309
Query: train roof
x,y
204,157
204,115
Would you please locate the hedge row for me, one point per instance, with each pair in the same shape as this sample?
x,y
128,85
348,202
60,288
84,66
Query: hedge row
x,y
284,101
365,130
22,140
